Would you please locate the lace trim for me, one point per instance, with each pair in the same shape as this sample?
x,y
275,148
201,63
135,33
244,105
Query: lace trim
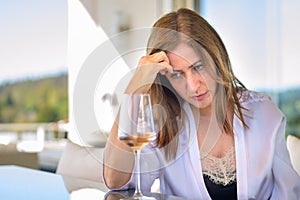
x,y
220,170
251,96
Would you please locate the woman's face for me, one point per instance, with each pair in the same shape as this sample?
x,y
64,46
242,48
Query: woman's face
x,y
191,78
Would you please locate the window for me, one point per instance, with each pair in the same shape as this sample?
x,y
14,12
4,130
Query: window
x,y
262,40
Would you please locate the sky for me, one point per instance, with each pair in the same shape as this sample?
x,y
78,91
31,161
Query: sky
x,y
33,38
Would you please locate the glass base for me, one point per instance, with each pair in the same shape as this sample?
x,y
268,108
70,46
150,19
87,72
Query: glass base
x,y
139,198
129,195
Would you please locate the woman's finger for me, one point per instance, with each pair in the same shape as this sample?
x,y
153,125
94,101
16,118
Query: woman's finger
x,y
154,58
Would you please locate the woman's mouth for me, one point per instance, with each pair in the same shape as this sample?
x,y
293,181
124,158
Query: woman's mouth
x,y
200,96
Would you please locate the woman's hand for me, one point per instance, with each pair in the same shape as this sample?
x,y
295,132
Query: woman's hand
x,y
148,68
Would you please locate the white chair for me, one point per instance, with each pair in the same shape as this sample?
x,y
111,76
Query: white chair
x,y
81,162
293,145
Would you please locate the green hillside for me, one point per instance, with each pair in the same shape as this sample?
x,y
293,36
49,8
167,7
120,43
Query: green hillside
x,y
39,100
288,101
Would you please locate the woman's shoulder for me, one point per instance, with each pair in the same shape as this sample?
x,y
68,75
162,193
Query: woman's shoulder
x,y
248,96
259,105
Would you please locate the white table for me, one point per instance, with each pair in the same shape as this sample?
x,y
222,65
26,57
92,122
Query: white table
x,y
18,183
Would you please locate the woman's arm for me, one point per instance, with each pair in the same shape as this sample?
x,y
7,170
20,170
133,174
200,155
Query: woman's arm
x,y
118,161
118,157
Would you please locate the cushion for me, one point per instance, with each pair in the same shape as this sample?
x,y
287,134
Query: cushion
x,y
81,162
293,145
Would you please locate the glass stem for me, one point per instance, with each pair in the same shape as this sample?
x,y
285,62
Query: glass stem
x,y
138,192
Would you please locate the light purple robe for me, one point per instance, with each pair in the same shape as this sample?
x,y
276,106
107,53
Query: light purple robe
x,y
263,166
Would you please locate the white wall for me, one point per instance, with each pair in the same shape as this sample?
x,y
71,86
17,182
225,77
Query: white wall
x,y
139,13
83,38
95,67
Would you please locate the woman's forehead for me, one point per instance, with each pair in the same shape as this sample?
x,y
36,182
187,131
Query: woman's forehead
x,y
184,54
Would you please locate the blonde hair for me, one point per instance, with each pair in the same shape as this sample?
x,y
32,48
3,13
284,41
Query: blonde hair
x,y
187,26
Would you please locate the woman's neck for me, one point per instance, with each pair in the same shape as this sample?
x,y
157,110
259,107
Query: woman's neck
x,y
198,113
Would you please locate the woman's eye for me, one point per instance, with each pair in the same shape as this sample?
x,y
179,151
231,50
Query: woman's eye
x,y
198,67
176,75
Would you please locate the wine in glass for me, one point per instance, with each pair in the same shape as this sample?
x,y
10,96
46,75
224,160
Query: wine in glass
x,y
136,129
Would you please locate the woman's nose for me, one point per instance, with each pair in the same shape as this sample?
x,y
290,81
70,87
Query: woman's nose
x,y
193,82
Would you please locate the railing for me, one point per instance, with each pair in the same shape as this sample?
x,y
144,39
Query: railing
x,y
38,134
57,128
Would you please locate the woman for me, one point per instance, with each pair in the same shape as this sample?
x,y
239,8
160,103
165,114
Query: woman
x,y
216,139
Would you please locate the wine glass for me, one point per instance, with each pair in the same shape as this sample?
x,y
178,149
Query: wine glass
x,y
136,129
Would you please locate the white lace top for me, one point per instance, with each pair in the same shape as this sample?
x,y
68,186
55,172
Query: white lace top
x,y
220,170
223,170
